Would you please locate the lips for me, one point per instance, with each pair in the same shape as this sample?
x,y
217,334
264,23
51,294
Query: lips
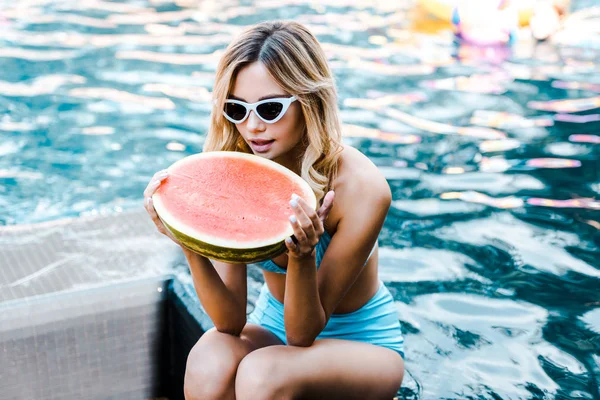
x,y
261,142
261,145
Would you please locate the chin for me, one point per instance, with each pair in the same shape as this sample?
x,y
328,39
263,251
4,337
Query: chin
x,y
268,155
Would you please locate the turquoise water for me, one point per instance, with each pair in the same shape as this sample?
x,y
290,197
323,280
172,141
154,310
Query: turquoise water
x,y
492,244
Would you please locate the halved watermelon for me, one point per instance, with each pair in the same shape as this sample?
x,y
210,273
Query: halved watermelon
x,y
230,206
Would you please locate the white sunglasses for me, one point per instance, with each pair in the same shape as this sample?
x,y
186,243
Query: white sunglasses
x,y
268,110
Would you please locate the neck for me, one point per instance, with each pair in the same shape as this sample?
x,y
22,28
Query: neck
x,y
292,160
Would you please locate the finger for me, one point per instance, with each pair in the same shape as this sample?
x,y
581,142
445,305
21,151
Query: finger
x,y
149,206
155,182
303,220
310,213
151,188
291,246
161,175
159,225
154,215
162,228
152,211
326,206
299,233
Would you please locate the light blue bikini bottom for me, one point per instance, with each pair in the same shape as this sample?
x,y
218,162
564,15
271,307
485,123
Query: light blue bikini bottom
x,y
376,322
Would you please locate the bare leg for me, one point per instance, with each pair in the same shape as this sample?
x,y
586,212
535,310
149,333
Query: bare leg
x,y
329,369
213,361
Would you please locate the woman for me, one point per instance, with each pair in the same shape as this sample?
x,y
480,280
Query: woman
x,y
324,325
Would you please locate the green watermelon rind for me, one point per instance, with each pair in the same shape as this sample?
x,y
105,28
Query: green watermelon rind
x,y
232,252
227,254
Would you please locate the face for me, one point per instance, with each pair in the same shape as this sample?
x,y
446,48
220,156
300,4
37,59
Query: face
x,y
281,141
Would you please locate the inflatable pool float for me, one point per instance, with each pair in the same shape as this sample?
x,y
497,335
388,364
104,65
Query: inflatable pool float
x,y
485,23
495,22
443,9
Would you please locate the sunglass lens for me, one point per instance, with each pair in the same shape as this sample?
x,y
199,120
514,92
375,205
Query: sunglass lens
x,y
235,111
270,110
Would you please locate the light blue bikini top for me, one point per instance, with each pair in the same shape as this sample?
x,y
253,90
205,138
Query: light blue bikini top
x,y
270,266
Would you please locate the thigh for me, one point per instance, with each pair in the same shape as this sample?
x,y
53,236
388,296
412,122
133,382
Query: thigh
x,y
252,337
218,354
213,361
258,337
329,369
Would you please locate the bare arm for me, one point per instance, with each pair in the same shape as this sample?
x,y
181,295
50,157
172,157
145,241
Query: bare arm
x,y
311,297
221,287
222,290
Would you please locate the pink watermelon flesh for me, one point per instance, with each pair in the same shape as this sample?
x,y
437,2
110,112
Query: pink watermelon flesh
x,y
229,198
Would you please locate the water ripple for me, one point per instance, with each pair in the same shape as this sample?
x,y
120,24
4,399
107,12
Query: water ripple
x,y
492,243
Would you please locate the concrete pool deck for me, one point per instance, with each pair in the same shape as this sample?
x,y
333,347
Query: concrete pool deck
x,y
93,308
78,253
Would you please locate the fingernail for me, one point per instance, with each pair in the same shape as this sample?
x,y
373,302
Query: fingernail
x,y
148,200
288,240
294,203
164,174
293,219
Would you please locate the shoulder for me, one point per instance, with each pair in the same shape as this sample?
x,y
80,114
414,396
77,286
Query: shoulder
x,y
358,174
359,186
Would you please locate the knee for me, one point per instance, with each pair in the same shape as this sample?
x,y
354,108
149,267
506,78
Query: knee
x,y
211,367
260,375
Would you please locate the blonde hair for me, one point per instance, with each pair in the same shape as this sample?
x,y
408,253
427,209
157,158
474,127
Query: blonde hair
x,y
296,61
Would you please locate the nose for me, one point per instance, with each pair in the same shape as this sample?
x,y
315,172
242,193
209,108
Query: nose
x,y
254,124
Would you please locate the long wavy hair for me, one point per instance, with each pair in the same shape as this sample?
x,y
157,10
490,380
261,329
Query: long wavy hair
x,y
296,61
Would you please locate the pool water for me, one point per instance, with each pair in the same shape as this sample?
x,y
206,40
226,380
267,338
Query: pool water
x,y
492,246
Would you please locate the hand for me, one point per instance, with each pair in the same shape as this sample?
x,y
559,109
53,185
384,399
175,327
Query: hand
x,y
148,192
308,225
